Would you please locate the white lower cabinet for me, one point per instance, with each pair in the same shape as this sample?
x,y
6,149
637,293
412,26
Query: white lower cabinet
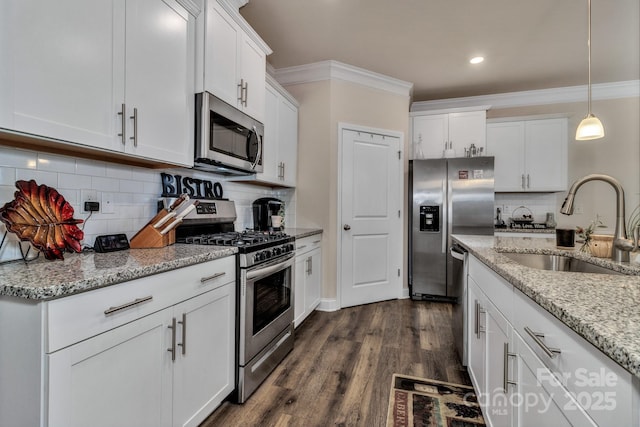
x,y
156,351
308,277
554,379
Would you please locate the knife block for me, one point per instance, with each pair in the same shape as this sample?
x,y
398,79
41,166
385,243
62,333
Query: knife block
x,y
150,237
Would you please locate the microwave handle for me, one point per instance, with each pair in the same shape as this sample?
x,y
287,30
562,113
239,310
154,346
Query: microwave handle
x,y
259,155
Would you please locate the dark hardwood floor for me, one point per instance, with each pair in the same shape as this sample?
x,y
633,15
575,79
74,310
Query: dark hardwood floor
x,y
339,373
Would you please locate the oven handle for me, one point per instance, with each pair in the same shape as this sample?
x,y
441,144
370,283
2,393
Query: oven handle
x,y
273,267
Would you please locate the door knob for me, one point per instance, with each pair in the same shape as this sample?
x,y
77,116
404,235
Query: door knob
x,y
347,227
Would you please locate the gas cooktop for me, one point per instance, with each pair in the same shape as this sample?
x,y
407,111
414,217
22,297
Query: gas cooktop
x,y
245,241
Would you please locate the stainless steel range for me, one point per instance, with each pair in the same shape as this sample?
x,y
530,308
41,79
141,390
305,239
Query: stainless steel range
x,y
265,288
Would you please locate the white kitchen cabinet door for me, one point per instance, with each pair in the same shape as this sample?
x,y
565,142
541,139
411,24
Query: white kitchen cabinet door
x,y
121,377
280,148
313,281
299,304
530,155
477,338
543,400
466,128
505,142
430,133
204,371
499,407
62,69
546,154
221,60
253,62
234,65
308,277
288,142
270,159
75,64
160,81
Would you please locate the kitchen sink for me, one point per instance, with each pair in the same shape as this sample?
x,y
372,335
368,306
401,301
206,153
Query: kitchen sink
x,y
557,263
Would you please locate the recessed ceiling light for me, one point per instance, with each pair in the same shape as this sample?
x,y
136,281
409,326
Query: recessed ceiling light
x,y
476,59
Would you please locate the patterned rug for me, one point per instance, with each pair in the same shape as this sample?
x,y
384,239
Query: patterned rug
x,y
424,402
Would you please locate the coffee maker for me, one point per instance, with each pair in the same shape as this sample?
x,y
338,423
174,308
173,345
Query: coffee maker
x,y
264,210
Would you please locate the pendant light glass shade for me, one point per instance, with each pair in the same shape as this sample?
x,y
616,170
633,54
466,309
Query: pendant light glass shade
x,y
590,127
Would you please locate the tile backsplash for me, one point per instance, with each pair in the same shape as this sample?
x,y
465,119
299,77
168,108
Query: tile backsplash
x,y
538,203
133,190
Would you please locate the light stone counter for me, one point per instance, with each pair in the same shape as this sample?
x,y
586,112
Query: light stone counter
x,y
604,309
42,279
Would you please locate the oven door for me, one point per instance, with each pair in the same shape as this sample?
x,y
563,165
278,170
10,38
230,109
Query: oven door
x,y
266,305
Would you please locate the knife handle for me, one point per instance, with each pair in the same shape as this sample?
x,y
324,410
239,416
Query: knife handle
x,y
164,219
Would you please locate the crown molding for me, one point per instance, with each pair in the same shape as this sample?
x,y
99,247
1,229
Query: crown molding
x,y
562,95
334,70
192,7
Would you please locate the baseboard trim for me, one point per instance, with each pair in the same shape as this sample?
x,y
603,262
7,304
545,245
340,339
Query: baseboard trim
x,y
327,304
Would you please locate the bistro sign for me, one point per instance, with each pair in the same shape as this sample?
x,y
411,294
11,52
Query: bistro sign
x,y
175,185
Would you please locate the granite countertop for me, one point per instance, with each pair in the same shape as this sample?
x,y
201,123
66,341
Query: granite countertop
x,y
42,280
604,309
300,233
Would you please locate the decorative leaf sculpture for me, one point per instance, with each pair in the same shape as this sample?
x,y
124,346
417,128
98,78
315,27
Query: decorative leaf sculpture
x,y
42,216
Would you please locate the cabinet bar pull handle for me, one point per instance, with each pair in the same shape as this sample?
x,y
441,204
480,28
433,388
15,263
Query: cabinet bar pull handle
x,y
301,247
505,373
315,242
135,127
241,89
109,311
528,183
183,344
123,126
549,351
215,276
172,350
284,165
246,93
522,181
479,310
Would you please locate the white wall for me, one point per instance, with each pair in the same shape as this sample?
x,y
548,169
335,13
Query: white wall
x,y
136,191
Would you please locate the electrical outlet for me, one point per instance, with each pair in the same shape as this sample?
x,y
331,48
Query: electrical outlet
x,y
88,196
506,209
107,203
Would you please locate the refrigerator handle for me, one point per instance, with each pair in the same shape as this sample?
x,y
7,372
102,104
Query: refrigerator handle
x,y
444,218
449,199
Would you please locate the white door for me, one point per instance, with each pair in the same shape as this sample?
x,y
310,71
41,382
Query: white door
x,y
370,255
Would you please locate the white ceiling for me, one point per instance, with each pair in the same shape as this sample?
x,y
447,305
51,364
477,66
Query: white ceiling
x,y
528,44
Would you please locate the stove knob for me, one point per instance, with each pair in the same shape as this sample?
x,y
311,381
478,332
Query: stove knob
x,y
292,246
277,251
267,254
256,257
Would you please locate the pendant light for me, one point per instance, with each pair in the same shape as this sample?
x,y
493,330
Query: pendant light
x,y
590,127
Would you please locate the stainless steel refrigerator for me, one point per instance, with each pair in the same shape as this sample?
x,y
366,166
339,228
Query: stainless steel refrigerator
x,y
447,196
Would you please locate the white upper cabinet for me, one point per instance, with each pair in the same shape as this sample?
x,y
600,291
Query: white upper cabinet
x,y
280,152
234,60
433,133
530,155
84,72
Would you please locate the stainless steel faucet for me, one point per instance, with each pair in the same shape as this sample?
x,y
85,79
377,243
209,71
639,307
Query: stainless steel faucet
x,y
621,244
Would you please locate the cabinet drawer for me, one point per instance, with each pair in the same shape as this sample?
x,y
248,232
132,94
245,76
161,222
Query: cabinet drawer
x,y
308,243
597,383
78,317
498,290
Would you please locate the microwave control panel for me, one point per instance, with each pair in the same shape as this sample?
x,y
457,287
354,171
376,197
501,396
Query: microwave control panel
x,y
430,218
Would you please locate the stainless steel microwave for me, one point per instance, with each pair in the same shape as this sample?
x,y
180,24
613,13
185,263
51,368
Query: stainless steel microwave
x,y
228,141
